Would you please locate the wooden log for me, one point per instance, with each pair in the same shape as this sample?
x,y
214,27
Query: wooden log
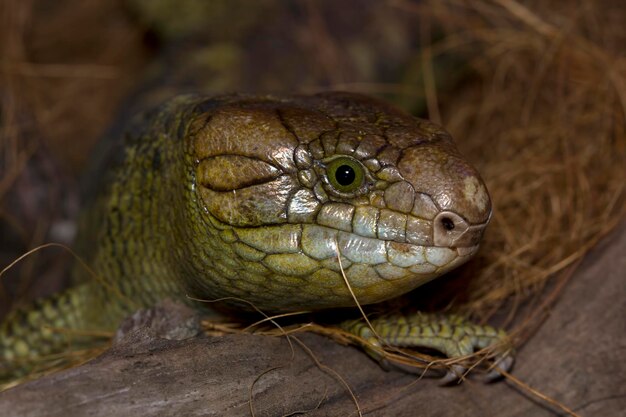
x,y
577,357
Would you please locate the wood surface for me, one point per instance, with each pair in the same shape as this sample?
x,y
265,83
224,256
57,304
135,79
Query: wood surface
x,y
578,357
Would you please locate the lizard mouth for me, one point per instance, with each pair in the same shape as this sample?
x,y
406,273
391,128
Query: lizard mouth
x,y
365,259
300,263
307,250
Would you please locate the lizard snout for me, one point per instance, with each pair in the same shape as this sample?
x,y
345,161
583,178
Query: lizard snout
x,y
453,231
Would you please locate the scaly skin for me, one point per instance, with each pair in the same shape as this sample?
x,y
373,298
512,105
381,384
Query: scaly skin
x,y
240,196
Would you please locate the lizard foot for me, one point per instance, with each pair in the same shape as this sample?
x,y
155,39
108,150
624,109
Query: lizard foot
x,y
451,335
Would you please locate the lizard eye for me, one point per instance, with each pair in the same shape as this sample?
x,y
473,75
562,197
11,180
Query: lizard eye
x,y
345,174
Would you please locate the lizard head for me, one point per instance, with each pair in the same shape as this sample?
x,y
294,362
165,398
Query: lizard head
x,y
289,188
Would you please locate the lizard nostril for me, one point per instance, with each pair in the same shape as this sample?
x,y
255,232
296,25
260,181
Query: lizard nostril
x,y
447,223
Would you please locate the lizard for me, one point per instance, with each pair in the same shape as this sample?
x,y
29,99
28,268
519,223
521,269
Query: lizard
x,y
271,200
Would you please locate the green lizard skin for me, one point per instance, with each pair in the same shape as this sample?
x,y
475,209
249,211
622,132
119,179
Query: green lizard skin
x,y
253,198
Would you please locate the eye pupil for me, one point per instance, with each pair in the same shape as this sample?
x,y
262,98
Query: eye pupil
x,y
345,175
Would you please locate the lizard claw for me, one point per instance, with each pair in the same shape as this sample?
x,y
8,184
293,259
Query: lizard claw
x,y
503,362
454,375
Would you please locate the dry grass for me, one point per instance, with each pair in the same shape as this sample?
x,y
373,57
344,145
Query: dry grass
x,y
545,123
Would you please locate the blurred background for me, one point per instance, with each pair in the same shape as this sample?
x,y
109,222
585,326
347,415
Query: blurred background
x,y
533,92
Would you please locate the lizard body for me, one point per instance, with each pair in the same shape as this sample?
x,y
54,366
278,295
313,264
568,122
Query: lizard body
x,y
253,198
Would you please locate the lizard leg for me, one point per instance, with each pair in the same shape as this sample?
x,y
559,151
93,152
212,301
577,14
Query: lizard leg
x,y
451,335
30,337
